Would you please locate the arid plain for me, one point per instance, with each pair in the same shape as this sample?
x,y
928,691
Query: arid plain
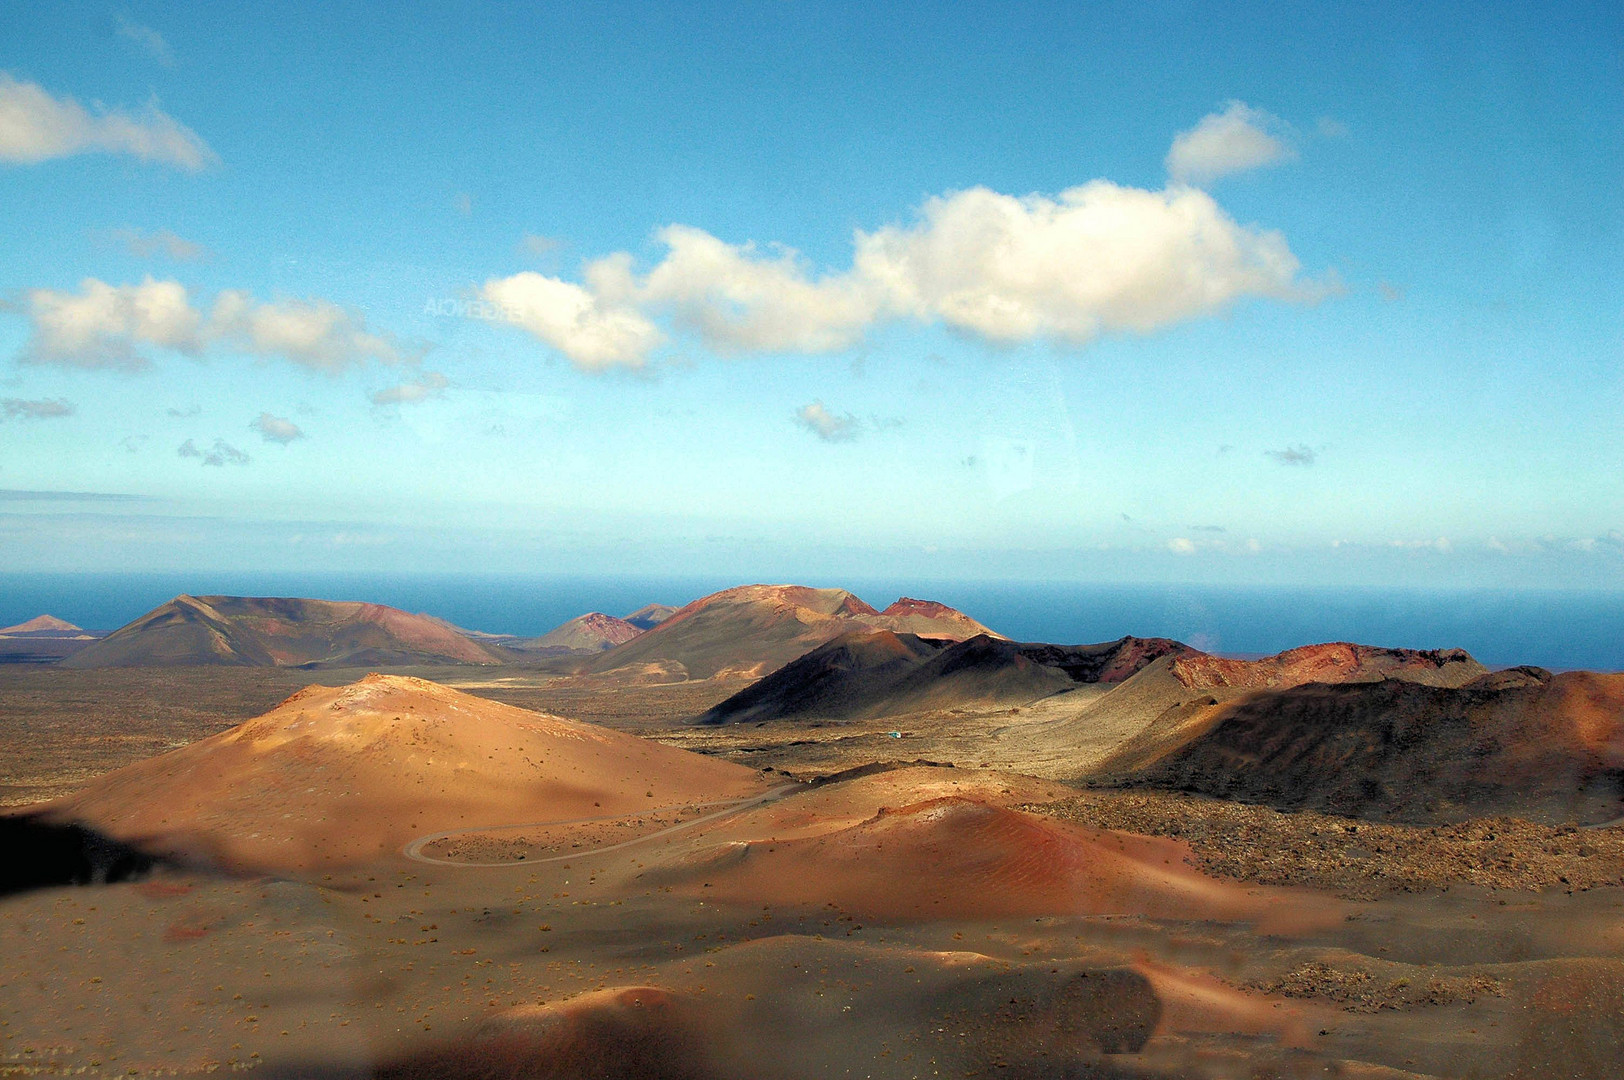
x,y
780,833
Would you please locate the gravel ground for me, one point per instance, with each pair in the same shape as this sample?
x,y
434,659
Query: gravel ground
x,y
1358,859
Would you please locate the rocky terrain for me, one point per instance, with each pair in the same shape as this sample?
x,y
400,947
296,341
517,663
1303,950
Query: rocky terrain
x,y
909,849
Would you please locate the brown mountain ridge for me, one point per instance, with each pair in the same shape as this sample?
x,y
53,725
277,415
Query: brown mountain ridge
x,y
282,632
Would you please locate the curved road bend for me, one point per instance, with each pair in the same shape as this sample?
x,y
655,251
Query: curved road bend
x,y
414,849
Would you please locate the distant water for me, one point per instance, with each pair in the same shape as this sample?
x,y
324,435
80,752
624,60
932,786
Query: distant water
x,y
1555,629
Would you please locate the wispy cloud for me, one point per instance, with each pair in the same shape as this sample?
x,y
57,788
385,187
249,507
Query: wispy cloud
x,y
535,245
1294,455
162,243
36,127
109,326
826,425
221,453
276,429
1235,139
431,384
147,40
1329,127
43,409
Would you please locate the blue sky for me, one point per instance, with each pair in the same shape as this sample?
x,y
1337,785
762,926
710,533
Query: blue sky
x,y
1136,292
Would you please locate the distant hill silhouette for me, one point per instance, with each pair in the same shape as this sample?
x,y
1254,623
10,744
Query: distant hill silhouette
x,y
42,639
42,624
590,633
282,632
649,616
753,629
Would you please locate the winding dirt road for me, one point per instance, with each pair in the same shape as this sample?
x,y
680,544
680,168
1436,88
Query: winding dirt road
x,y
414,849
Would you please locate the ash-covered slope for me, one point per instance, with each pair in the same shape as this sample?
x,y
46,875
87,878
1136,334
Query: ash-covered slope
x,y
1072,734
282,632
1521,742
753,629
869,674
345,775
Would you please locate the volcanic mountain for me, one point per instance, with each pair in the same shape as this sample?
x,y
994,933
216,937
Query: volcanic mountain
x,y
1068,735
278,632
649,616
341,776
1521,742
42,624
590,633
43,638
757,628
865,674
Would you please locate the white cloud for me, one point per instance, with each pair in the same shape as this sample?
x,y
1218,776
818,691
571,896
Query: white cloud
x,y
106,326
147,40
592,331
1233,140
739,300
35,127
1099,257
463,204
276,429
145,245
1096,258
103,326
430,385
1181,546
43,409
826,425
314,334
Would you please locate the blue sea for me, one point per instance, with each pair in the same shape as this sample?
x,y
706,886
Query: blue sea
x,y
1554,629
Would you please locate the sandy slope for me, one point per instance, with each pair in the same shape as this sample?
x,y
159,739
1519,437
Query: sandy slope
x,y
955,857
336,777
